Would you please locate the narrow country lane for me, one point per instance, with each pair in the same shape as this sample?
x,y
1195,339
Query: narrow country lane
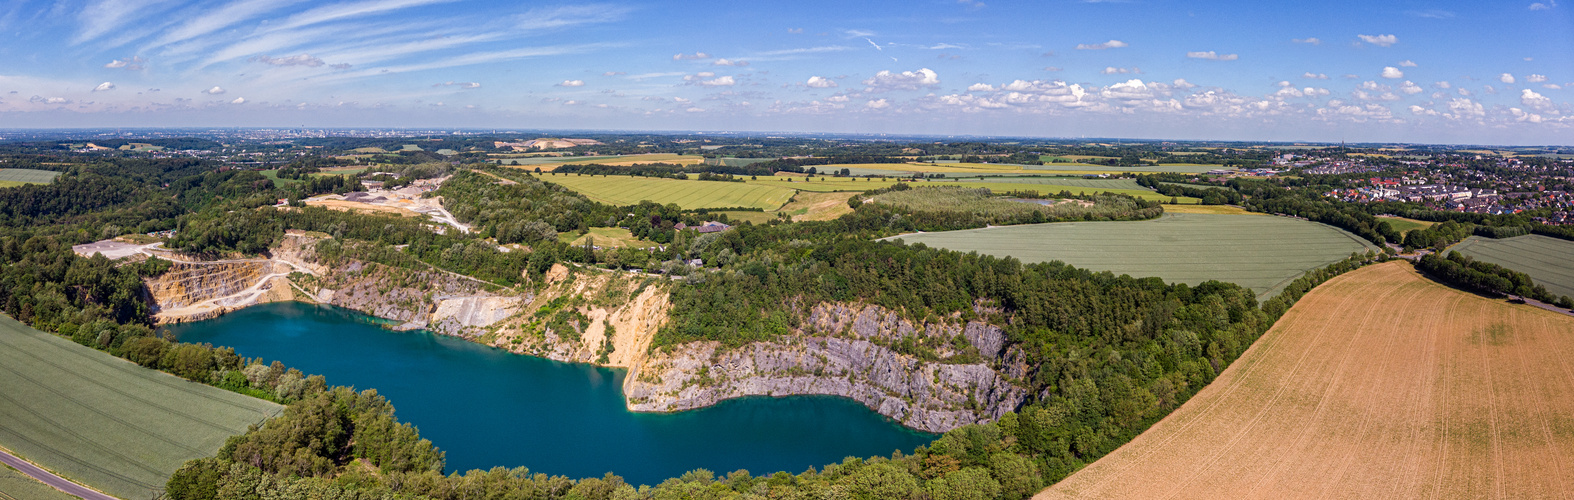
x,y
57,482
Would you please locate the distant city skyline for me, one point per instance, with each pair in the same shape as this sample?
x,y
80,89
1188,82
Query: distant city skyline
x,y
1422,72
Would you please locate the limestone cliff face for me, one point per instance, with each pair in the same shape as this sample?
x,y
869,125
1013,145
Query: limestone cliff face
x,y
432,299
192,291
844,350
929,376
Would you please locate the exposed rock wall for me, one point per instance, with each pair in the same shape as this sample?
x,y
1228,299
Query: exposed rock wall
x,y
196,291
845,351
929,376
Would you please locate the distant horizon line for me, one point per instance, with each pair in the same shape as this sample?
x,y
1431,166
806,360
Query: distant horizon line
x,y
893,136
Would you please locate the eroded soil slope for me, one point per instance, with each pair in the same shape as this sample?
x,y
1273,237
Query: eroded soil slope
x,y
1378,384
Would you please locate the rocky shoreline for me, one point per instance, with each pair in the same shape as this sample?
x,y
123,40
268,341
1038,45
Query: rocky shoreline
x,y
930,377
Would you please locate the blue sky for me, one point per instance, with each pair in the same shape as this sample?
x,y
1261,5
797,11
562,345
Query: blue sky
x,y
1450,72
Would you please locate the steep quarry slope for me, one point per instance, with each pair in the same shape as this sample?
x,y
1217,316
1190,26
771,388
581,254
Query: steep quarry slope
x,y
845,351
432,299
842,350
192,291
610,318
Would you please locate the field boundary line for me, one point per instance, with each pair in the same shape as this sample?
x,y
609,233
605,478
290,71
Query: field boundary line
x,y
1246,370
154,379
1299,364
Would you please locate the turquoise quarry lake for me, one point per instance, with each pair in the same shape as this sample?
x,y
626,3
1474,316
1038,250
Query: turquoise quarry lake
x,y
487,407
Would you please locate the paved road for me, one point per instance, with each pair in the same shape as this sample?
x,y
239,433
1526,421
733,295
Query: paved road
x,y
58,482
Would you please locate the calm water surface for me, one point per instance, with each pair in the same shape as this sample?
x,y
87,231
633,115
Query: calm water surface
x,y
486,407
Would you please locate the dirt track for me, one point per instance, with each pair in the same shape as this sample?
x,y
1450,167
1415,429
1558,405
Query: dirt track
x,y
1378,384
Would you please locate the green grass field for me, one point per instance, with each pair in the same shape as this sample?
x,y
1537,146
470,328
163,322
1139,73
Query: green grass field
x,y
1549,261
1404,225
104,421
1081,182
544,162
607,237
19,176
1260,253
273,175
626,190
1042,185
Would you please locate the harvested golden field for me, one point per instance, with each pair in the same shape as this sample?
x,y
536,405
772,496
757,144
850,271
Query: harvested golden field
x,y
1378,384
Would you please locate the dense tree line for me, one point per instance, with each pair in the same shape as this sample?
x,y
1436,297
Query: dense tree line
x,y
1209,195
1488,278
1346,216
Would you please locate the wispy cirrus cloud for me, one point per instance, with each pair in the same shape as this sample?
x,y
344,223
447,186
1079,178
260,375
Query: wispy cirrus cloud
x,y
1212,56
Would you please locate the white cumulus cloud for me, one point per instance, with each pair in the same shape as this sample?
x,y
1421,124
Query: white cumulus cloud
x,y
729,62
877,104
104,87
1314,76
1506,78
820,82
725,81
689,57
239,100
1407,64
216,90
906,80
1536,78
1379,40
571,83
1392,72
1533,100
980,87
1410,88
1308,40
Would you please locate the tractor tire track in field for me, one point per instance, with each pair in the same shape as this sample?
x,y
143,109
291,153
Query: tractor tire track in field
x,y
73,433
1377,384
1249,426
176,387
94,410
1248,365
1315,420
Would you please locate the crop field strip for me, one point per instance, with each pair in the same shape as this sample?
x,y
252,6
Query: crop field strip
x,y
1549,261
14,485
1050,188
897,169
1377,384
1258,252
106,422
28,175
626,190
